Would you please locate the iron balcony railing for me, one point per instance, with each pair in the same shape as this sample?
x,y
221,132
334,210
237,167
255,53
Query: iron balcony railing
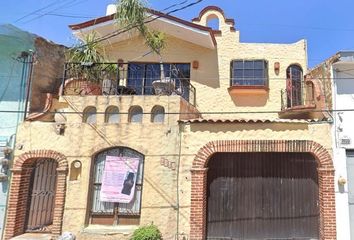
x,y
297,94
128,79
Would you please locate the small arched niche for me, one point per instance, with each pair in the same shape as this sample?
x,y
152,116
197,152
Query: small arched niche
x,y
158,114
75,170
89,115
112,115
135,114
213,22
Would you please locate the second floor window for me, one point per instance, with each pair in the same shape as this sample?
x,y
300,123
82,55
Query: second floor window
x,y
249,73
142,75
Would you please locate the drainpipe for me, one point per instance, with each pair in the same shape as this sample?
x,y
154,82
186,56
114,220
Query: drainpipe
x,y
180,125
29,83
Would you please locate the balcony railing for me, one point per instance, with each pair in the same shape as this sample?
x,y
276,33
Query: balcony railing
x,y
127,79
298,95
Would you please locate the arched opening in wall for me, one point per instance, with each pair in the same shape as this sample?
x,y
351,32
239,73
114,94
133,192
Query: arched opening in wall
x,y
112,115
135,114
41,196
116,198
262,196
158,114
213,22
294,86
89,115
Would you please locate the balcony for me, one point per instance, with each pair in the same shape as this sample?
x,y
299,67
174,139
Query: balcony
x,y
128,79
298,100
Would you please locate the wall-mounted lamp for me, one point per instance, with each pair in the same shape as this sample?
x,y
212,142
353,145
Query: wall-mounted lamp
x,y
120,62
341,181
195,64
60,128
276,68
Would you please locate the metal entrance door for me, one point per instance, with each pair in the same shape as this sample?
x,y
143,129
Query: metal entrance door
x,y
262,196
350,172
42,196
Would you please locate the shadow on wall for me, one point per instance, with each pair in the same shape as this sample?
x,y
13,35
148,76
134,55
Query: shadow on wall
x,y
250,100
208,72
234,127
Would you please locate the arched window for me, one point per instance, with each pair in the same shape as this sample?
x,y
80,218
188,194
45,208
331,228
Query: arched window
x,y
112,115
157,114
294,86
89,115
104,212
135,114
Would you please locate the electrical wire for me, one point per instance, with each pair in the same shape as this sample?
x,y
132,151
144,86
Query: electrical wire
x,y
66,4
132,26
38,10
182,113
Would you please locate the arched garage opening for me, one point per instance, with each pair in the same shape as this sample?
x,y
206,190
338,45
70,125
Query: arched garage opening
x,y
262,196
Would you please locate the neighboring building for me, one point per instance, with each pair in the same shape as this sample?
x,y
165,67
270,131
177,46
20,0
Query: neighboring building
x,y
337,74
232,140
22,55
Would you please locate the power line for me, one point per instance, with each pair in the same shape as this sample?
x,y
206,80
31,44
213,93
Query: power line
x,y
38,10
131,26
185,113
66,4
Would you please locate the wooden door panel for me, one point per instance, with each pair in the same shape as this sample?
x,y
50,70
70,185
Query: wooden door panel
x,y
262,196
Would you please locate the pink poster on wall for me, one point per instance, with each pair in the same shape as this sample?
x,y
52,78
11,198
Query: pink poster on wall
x,y
118,180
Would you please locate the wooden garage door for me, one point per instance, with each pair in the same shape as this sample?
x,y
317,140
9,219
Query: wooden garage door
x,y
262,196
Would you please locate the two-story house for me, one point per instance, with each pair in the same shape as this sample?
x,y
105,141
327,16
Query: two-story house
x,y
221,140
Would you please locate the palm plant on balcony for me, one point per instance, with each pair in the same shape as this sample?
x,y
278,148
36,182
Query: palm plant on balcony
x,y
133,14
86,68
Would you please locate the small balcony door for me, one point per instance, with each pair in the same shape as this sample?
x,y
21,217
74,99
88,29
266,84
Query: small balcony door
x,y
294,86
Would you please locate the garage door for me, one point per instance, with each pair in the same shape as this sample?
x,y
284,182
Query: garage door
x,y
262,196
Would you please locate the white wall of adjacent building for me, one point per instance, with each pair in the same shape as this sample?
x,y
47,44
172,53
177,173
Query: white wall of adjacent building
x,y
343,141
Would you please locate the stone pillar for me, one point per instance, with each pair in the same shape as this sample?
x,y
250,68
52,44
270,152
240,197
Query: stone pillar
x,y
327,204
198,204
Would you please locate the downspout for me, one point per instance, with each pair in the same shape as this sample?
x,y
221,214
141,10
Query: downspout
x,y
180,126
29,84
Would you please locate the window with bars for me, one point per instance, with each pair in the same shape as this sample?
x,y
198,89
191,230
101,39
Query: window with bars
x,y
142,75
249,73
108,213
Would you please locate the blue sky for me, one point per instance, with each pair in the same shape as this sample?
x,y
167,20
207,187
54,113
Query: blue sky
x,y
327,25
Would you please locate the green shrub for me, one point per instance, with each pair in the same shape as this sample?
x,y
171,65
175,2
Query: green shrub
x,y
149,232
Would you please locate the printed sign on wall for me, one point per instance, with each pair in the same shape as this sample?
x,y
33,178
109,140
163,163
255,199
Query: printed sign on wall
x,y
118,180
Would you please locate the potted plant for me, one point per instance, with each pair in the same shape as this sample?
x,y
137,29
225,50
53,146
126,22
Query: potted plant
x,y
86,69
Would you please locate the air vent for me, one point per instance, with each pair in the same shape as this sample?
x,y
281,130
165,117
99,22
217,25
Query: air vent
x,y
345,141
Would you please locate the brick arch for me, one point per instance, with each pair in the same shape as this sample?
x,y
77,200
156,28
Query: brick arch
x,y
324,159
198,212
20,186
35,154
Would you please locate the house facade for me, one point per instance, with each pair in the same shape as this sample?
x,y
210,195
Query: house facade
x,y
231,139
337,75
23,56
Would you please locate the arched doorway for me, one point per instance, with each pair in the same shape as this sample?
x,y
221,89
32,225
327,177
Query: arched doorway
x,y
294,86
41,196
262,196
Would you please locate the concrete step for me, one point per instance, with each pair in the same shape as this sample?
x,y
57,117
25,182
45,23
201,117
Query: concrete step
x,y
33,236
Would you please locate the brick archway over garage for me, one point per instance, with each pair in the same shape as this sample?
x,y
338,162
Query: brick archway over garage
x,y
325,171
20,183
